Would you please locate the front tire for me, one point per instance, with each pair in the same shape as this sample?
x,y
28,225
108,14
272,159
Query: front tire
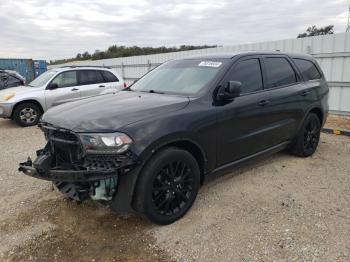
x,y
308,137
27,114
167,186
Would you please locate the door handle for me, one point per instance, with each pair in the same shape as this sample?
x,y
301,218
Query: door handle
x,y
100,86
305,93
75,89
264,102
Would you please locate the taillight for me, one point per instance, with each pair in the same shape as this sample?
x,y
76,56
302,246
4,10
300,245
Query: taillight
x,y
125,85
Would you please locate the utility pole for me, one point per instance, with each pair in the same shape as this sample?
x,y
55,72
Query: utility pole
x,y
348,27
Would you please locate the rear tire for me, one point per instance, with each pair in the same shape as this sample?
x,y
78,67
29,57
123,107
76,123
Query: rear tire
x,y
308,137
167,186
27,114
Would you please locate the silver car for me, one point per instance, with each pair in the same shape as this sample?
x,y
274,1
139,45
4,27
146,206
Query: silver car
x,y
26,104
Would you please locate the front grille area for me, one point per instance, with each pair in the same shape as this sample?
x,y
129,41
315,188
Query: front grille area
x,y
59,134
64,136
102,161
107,161
68,154
64,146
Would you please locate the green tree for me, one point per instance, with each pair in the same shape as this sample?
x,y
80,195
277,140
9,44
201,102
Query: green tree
x,y
85,55
313,30
115,51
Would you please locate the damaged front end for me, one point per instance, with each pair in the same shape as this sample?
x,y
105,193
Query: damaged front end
x,y
79,165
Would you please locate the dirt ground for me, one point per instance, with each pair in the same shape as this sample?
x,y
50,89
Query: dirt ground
x,y
283,208
338,122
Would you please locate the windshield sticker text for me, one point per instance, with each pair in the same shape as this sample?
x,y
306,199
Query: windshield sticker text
x,y
210,64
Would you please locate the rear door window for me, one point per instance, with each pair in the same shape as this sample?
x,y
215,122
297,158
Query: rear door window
x,y
307,69
279,72
248,72
89,77
109,77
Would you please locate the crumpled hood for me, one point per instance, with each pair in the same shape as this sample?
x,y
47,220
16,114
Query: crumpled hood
x,y
110,112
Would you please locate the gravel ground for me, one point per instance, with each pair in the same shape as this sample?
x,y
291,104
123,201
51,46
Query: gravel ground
x,y
283,208
338,122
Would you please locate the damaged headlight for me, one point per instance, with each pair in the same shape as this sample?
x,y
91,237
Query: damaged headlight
x,y
114,143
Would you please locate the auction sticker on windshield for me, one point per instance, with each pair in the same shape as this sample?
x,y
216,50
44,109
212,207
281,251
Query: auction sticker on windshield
x,y
210,64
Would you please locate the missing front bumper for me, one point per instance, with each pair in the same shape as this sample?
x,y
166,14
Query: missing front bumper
x,y
40,169
66,175
77,185
79,175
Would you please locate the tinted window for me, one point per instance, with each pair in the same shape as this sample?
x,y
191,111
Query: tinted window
x,y
99,77
4,77
3,80
66,79
279,72
109,77
88,77
307,69
248,72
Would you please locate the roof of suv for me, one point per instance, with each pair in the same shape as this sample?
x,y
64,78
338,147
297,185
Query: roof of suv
x,y
65,68
231,55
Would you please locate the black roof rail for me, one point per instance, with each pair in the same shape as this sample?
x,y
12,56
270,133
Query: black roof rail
x,y
73,66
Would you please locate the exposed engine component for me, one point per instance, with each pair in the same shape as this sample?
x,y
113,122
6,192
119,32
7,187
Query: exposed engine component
x,y
97,190
104,189
75,191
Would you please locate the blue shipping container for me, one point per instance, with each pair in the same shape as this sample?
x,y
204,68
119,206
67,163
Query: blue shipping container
x,y
39,67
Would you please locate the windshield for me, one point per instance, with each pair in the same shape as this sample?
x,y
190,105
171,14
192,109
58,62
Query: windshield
x,y
42,79
184,77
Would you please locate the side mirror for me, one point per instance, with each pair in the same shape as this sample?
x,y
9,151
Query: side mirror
x,y
234,88
53,86
230,91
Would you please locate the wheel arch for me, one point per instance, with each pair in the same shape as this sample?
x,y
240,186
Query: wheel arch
x,y
33,101
187,144
318,112
183,143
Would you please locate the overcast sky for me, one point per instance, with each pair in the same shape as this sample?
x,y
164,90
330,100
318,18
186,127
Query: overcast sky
x,y
61,28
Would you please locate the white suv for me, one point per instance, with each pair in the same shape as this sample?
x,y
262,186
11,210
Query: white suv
x,y
25,104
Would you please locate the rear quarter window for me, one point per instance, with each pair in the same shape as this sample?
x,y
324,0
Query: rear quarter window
x,y
307,69
109,77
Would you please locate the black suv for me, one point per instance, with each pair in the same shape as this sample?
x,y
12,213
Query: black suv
x,y
150,147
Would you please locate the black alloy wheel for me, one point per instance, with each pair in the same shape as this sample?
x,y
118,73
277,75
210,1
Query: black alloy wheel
x,y
311,135
167,186
308,137
172,188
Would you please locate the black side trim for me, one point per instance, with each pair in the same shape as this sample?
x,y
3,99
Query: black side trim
x,y
269,150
